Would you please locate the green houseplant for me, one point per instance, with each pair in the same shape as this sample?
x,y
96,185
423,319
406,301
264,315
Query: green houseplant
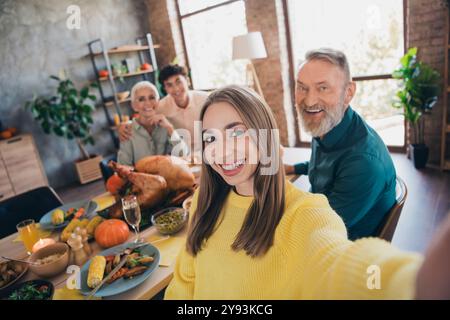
x,y
417,96
68,114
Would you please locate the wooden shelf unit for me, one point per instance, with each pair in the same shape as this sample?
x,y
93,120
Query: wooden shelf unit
x,y
127,49
111,103
129,74
98,50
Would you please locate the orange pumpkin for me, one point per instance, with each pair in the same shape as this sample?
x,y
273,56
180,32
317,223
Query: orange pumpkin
x,y
6,134
114,183
111,232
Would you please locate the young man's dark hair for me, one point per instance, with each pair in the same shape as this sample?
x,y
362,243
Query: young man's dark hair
x,y
170,71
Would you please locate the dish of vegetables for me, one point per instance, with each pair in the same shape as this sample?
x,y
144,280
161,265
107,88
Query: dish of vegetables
x,y
63,215
30,290
10,272
170,220
141,262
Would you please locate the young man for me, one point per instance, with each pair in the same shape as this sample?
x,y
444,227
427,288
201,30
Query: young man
x,y
181,106
349,163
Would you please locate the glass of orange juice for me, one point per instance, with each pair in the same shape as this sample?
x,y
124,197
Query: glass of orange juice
x,y
28,233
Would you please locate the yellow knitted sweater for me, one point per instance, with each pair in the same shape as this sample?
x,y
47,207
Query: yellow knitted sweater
x,y
311,258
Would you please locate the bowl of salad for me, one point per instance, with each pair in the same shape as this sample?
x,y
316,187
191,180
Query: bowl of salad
x,y
30,290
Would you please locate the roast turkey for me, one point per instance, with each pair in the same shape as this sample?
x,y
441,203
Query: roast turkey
x,y
155,180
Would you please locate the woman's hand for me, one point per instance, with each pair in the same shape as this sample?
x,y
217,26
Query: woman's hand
x,y
433,278
289,169
125,131
161,120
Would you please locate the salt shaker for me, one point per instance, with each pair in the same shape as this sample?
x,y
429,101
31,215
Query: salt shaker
x,y
79,256
84,239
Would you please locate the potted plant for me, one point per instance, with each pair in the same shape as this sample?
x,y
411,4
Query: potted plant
x,y
68,114
416,97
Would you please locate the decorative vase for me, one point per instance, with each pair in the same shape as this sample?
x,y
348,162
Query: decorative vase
x,y
419,155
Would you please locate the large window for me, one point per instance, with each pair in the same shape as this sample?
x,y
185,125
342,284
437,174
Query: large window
x,y
208,29
371,33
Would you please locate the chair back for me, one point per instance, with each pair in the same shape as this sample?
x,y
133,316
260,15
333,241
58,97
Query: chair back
x,y
390,222
107,171
32,204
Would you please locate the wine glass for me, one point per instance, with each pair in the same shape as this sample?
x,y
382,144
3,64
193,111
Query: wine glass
x,y
132,214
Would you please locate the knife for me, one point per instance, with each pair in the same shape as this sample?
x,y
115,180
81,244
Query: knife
x,y
117,268
132,247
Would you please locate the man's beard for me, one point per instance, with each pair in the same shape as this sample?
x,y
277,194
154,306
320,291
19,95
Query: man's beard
x,y
332,116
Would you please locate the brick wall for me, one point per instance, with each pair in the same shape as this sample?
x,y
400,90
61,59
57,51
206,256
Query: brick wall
x,y
262,16
165,30
426,30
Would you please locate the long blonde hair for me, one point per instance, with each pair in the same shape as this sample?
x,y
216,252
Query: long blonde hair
x,y
262,218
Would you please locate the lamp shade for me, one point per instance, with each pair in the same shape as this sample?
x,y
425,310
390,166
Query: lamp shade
x,y
249,46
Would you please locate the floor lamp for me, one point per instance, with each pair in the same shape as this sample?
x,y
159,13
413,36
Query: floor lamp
x,y
250,46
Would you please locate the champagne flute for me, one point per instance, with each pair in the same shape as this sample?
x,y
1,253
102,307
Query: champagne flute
x,y
132,214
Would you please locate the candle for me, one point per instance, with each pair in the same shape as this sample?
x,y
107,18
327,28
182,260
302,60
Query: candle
x,y
42,243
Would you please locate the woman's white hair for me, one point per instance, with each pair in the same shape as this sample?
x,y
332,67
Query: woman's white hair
x,y
141,85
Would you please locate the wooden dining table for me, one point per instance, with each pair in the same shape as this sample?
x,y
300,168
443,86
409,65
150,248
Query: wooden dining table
x,y
162,275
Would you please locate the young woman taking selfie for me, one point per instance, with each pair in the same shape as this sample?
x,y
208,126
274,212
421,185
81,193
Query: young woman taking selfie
x,y
253,235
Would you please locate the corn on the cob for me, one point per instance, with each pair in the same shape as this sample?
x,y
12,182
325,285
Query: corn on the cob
x,y
96,271
93,224
84,223
65,235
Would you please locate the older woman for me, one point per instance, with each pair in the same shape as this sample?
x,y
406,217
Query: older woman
x,y
181,106
153,134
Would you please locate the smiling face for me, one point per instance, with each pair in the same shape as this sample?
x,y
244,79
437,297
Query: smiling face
x,y
144,103
228,147
322,95
177,87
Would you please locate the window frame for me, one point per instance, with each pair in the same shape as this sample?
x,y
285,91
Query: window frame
x,y
299,142
187,15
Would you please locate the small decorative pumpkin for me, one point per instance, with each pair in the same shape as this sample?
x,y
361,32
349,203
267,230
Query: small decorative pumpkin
x,y
111,232
114,183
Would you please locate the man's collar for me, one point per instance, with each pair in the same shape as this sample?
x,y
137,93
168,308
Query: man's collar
x,y
189,96
338,132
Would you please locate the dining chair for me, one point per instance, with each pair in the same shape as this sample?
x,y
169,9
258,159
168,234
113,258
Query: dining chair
x,y
107,171
389,223
32,204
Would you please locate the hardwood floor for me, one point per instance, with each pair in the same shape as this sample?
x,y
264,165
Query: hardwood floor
x,y
77,191
427,204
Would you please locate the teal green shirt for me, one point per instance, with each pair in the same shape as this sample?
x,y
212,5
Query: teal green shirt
x,y
352,167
